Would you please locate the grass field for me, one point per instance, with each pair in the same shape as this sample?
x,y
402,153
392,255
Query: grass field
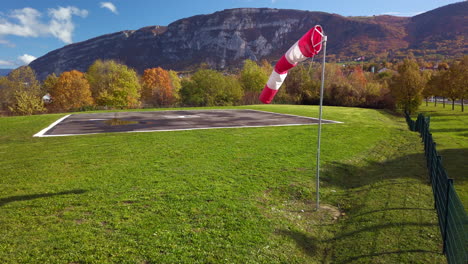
x,y
242,195
450,131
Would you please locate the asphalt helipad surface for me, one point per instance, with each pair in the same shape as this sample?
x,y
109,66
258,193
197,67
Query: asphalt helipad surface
x,y
82,124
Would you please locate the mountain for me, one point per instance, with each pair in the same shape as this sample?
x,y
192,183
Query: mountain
x,y
225,38
5,72
441,30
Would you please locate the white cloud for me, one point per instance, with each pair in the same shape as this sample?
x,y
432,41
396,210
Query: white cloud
x,y
29,24
109,6
26,58
6,63
61,25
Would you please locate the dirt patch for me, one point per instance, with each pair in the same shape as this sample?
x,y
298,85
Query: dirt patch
x,y
306,213
332,211
292,204
119,122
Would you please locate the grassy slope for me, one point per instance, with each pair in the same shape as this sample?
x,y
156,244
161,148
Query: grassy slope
x,y
218,196
450,131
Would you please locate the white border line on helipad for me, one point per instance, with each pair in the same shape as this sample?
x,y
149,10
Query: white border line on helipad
x,y
43,131
180,129
313,118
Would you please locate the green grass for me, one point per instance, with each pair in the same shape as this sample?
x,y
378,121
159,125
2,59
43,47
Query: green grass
x,y
449,129
243,195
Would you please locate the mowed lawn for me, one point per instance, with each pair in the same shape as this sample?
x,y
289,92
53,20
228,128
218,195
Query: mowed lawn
x,y
242,195
450,131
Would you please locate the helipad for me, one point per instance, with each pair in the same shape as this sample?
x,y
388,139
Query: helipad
x,y
83,124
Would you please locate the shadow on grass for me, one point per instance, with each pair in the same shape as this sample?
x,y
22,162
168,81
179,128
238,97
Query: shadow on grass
x,y
378,228
349,176
382,205
384,197
4,201
448,130
393,209
441,112
409,166
306,242
399,252
454,161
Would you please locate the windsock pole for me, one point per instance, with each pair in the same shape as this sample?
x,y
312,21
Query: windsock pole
x,y
324,41
307,46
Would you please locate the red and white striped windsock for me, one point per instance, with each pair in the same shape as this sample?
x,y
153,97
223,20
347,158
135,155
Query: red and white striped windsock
x,y
306,47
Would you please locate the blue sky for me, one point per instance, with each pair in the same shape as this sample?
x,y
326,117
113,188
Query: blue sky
x,y
32,28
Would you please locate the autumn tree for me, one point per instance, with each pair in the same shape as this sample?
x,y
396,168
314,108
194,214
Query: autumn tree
x,y
443,81
210,88
49,83
4,85
71,91
113,84
157,87
430,88
460,79
443,66
451,90
455,81
20,92
407,86
26,104
252,79
300,85
377,95
337,86
358,84
266,67
176,85
357,77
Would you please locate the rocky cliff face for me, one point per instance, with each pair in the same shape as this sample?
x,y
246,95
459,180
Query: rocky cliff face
x,y
226,38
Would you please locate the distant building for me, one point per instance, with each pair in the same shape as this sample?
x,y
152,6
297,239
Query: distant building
x,y
47,99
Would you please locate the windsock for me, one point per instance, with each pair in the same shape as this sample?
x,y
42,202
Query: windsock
x,y
306,47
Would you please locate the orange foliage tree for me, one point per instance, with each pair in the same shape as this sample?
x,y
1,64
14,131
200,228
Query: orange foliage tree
x,y
157,88
71,91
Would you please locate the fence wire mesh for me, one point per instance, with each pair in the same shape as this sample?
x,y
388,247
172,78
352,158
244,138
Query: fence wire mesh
x,y
453,220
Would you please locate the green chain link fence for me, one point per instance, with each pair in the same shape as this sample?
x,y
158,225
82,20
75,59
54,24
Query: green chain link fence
x,y
453,220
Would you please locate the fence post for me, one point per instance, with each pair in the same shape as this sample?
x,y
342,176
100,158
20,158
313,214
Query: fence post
x,y
432,151
449,184
420,122
416,124
432,166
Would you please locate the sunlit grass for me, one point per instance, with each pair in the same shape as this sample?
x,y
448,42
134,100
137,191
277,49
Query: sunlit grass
x,y
450,131
244,195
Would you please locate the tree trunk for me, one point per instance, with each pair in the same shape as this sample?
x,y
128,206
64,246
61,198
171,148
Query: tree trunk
x,y
453,104
427,101
463,104
435,100
443,101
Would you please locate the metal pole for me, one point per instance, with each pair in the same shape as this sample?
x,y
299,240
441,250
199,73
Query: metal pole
x,y
320,122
